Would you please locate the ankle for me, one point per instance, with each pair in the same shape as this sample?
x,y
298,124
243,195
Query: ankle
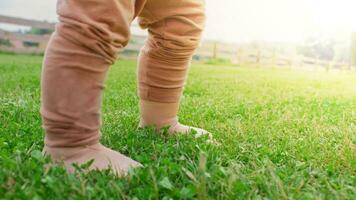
x,y
62,153
159,124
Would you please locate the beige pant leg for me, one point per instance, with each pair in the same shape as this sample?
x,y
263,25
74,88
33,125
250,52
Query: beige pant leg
x,y
87,38
175,29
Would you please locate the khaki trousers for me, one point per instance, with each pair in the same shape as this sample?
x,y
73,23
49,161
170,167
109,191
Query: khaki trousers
x,y
87,39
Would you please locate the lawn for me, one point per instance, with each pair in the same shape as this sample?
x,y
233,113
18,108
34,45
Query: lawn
x,y
281,134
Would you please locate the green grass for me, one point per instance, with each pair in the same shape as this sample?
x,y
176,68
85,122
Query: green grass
x,y
283,135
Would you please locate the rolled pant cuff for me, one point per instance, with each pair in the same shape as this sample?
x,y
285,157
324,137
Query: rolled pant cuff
x,y
161,95
70,139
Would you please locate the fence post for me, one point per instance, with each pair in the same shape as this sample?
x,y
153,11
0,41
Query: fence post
x,y
258,57
352,51
274,57
215,50
239,53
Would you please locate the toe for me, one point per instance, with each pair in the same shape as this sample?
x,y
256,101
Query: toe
x,y
201,132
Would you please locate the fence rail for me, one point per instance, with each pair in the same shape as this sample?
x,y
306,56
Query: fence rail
x,y
26,22
20,42
23,37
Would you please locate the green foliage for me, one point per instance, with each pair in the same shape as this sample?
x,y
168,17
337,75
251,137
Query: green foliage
x,y
282,135
31,44
218,61
39,31
318,48
5,42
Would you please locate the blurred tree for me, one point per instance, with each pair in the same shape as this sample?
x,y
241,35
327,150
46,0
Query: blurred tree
x,y
317,48
5,42
39,31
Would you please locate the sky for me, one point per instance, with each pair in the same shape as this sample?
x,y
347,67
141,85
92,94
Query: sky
x,y
241,20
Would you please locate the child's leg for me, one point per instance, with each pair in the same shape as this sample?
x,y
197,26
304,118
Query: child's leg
x,y
86,41
175,29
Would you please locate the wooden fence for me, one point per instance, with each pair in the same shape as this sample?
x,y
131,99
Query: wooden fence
x,y
23,42
20,42
244,54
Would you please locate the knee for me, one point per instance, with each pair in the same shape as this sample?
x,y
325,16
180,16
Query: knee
x,y
179,37
103,33
175,48
104,45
